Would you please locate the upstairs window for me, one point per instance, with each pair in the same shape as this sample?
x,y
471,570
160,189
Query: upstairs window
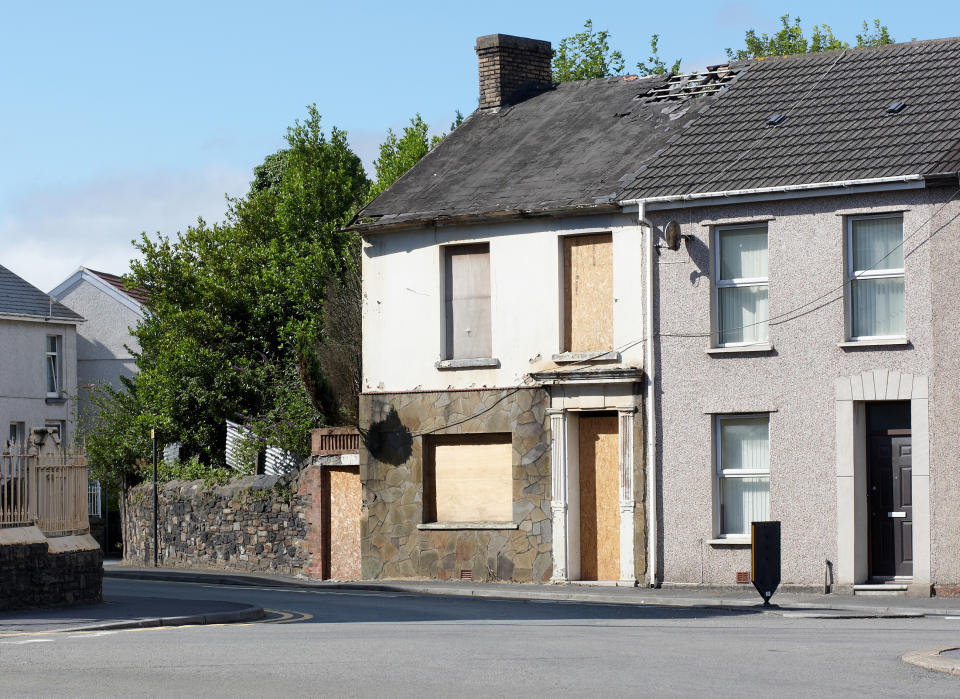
x,y
467,301
875,276
742,282
588,292
54,365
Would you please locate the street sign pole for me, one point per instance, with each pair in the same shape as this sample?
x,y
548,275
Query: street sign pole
x,y
156,500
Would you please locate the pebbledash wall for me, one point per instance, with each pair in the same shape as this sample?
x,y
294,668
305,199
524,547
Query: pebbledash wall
x,y
395,540
254,523
36,571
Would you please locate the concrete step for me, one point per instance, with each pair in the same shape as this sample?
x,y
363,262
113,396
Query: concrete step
x,y
881,590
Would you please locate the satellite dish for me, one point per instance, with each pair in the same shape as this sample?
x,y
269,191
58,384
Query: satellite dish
x,y
673,235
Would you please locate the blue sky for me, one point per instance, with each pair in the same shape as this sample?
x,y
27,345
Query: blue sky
x,y
122,117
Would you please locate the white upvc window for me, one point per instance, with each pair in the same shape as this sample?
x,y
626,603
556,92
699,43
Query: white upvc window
x,y
742,281
54,365
743,473
875,297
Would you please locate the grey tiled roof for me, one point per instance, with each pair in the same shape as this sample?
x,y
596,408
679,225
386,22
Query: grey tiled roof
x,y
836,129
17,296
565,147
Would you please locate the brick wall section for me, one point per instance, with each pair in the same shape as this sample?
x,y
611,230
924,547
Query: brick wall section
x,y
31,576
255,523
509,66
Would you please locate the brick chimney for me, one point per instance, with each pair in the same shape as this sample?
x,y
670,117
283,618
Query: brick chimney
x,y
510,67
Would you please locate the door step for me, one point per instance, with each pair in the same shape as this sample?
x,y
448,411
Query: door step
x,y
881,589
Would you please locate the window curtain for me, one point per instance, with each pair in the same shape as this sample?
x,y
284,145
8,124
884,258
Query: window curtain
x,y
743,253
745,445
878,307
743,314
877,244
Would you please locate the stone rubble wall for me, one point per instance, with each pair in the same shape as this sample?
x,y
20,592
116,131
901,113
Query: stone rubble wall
x,y
391,470
254,523
32,575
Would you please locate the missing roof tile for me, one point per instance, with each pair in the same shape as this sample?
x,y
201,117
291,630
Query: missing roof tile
x,y
685,86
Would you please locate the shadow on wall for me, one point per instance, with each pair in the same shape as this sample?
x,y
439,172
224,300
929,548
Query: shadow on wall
x,y
388,440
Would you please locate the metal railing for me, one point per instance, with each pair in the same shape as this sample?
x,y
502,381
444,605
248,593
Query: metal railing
x,y
46,488
335,440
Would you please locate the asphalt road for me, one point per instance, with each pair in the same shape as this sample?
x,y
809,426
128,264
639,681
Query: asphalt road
x,y
347,643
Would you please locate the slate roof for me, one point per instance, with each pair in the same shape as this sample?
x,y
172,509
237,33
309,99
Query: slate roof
x,y
836,129
137,293
19,297
569,146
586,143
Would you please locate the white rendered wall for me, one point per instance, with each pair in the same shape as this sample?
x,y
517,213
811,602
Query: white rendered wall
x,y
23,374
403,300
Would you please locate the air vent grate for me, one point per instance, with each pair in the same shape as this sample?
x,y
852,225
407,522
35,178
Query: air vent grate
x,y
743,576
466,574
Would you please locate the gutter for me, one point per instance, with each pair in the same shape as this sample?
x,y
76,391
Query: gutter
x,y
790,191
31,318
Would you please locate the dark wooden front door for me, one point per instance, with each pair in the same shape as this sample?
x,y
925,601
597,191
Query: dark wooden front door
x,y
890,502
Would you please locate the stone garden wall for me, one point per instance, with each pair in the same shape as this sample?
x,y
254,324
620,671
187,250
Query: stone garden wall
x,y
39,572
254,523
391,470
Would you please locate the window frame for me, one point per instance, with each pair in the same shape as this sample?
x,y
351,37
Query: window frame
x,y
851,275
719,475
742,282
57,356
447,344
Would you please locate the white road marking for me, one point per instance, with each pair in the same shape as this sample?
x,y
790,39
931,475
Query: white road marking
x,y
29,640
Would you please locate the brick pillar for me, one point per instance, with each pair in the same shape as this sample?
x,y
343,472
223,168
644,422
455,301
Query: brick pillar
x,y
509,66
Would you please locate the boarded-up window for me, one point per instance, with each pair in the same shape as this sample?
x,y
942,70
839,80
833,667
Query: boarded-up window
x,y
467,301
588,292
469,478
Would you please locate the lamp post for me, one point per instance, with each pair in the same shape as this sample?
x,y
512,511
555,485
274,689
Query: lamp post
x,y
156,499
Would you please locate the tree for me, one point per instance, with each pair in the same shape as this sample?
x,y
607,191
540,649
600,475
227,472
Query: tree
x,y
234,305
791,40
657,65
399,154
586,55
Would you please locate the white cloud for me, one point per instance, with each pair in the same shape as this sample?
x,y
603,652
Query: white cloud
x,y
48,233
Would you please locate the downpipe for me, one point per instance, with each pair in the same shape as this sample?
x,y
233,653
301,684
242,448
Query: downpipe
x,y
650,402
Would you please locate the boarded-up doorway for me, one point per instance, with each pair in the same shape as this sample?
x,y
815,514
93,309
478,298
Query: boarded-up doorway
x,y
342,503
599,497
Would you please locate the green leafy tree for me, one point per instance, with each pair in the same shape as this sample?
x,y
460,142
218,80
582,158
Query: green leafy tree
x,y
586,55
791,40
656,65
234,305
399,153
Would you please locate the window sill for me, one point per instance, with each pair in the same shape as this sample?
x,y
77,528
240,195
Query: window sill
x,y
730,541
589,356
453,526
55,400
756,348
877,342
474,363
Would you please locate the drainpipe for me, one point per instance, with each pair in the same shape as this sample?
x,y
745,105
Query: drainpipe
x,y
650,403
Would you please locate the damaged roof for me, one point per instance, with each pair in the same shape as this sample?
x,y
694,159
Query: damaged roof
x,y
796,120
20,297
575,145
838,120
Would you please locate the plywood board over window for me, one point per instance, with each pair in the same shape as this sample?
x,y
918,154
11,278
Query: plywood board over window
x,y
467,301
588,292
470,478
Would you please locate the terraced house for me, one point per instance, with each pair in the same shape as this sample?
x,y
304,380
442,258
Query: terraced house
x,y
610,323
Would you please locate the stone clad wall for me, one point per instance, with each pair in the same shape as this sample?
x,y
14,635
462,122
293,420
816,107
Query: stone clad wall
x,y
391,470
255,523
